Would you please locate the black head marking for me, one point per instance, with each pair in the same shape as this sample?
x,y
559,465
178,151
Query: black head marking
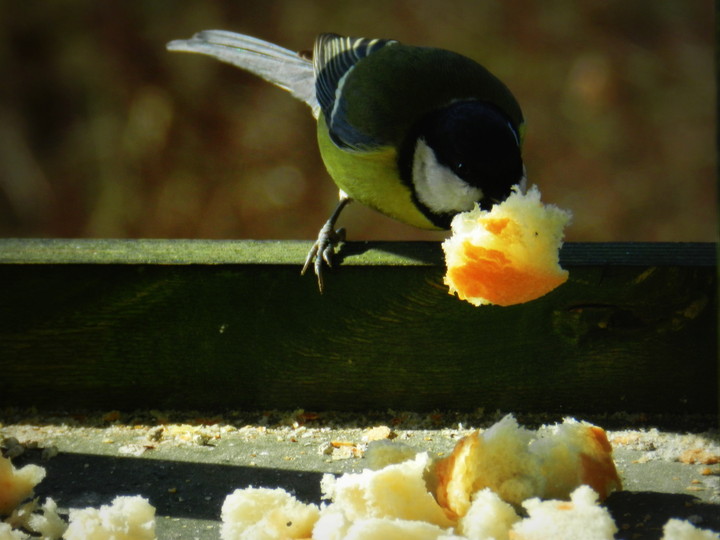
x,y
479,144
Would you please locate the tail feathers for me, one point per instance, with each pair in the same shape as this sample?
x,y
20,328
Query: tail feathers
x,y
273,63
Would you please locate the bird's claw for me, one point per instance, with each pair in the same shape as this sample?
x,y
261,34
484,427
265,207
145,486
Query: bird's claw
x,y
323,250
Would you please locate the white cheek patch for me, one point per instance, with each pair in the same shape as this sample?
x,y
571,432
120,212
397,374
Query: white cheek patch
x,y
437,187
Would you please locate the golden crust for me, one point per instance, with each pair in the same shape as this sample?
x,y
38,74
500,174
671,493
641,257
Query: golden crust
x,y
518,464
508,255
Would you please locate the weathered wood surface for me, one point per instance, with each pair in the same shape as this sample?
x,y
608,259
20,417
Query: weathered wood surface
x,y
231,325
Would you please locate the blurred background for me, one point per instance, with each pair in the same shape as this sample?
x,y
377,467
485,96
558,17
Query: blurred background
x,y
105,134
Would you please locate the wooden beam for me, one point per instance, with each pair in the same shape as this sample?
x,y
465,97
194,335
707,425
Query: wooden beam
x,y
128,324
293,252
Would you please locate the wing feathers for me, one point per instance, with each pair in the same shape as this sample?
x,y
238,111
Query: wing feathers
x,y
315,81
273,63
333,57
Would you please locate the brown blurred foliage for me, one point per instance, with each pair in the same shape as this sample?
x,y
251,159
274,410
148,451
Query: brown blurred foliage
x,y
105,134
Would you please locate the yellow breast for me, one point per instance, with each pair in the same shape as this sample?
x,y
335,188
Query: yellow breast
x,y
371,178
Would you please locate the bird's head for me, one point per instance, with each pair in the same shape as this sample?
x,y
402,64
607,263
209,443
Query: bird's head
x,y
465,153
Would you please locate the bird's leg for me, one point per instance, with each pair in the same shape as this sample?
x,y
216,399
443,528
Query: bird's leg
x,y
328,239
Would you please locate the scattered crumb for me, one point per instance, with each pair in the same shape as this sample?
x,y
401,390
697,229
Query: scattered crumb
x,y
346,444
17,485
658,445
581,517
676,529
378,433
700,455
43,520
127,518
257,513
488,517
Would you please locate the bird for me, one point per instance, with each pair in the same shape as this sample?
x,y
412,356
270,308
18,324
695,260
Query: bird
x,y
417,133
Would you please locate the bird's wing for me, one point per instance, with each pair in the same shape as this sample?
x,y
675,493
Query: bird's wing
x,y
280,66
334,57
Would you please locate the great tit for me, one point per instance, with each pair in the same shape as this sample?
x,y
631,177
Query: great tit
x,y
417,133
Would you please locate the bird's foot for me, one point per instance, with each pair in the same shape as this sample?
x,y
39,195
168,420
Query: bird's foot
x,y
323,251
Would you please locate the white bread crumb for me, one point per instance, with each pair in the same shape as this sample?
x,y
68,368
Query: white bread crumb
x,y
127,518
676,529
396,529
266,514
507,465
47,523
518,464
581,517
17,484
8,533
397,491
488,517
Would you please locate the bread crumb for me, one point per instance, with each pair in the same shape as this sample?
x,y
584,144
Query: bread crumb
x,y
126,518
378,433
676,529
575,453
581,517
699,455
47,522
396,529
8,533
17,485
397,491
488,517
508,255
265,514
519,464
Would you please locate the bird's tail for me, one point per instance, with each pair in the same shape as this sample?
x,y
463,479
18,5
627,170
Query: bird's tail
x,y
273,63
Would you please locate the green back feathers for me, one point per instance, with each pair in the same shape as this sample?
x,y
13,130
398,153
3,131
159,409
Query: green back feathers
x,y
386,87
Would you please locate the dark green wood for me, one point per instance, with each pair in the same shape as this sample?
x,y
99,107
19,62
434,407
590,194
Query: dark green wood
x,y
231,325
149,251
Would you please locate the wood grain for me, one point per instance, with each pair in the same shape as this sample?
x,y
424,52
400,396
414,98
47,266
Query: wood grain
x,y
207,325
